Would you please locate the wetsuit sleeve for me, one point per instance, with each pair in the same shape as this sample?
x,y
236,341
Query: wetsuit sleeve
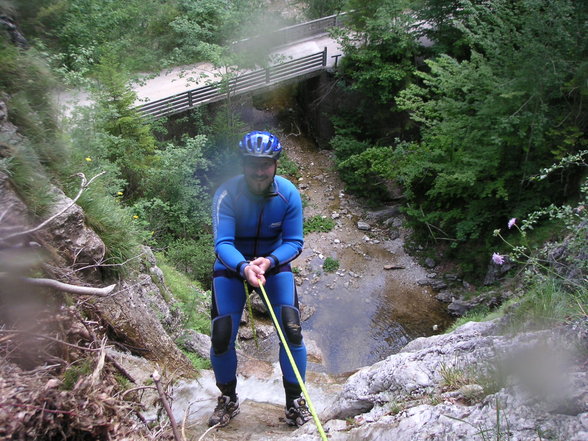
x,y
224,226
292,233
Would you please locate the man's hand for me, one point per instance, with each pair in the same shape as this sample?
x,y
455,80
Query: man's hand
x,y
255,270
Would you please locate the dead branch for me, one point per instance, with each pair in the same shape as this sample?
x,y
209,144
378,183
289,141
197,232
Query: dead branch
x,y
206,433
134,389
43,409
101,264
157,379
72,289
100,364
109,357
83,186
33,334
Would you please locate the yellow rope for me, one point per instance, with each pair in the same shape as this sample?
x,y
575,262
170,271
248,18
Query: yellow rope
x,y
294,367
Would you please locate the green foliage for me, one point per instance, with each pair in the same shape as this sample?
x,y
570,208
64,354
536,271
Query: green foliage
x,y
175,202
81,33
75,371
194,257
330,265
288,167
547,303
193,301
128,143
315,9
113,223
479,314
378,48
485,120
318,223
198,362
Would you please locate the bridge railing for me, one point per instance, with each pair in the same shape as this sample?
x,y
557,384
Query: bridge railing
x,y
181,102
288,34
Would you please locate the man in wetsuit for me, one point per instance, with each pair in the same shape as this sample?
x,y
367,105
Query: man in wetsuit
x,y
257,223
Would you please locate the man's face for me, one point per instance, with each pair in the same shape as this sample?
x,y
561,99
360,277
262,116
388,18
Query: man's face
x,y
259,173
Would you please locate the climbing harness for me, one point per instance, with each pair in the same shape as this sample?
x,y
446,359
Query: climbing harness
x,y
293,363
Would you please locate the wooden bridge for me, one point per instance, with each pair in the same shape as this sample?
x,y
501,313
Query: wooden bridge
x,y
294,41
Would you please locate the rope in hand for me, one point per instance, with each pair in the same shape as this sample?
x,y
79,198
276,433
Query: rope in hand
x,y
294,367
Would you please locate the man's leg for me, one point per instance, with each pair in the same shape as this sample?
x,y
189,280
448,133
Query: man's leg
x,y
281,291
228,300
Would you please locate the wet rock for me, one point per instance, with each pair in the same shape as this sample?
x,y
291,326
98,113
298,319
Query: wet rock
x,y
430,262
458,308
438,285
262,331
363,226
394,234
495,272
306,312
195,342
385,213
415,371
314,353
445,297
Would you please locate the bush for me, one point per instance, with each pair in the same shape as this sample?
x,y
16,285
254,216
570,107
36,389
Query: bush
x,y
330,265
318,223
193,257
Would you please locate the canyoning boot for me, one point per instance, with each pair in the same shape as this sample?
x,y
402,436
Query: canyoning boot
x,y
224,411
298,414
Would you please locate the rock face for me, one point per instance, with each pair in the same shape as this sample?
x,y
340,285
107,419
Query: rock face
x,y
471,384
132,312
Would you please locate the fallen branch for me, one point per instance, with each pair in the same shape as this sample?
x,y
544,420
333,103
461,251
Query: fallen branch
x,y
134,389
206,433
32,334
157,379
83,186
42,409
72,289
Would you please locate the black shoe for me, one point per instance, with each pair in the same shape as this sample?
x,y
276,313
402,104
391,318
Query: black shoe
x,y
298,414
224,411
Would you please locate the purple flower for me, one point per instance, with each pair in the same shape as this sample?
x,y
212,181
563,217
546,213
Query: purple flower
x,y
512,222
497,259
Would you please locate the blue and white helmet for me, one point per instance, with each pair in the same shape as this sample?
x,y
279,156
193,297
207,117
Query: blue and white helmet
x,y
261,145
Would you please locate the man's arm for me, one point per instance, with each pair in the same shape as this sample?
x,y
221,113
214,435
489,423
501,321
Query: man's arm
x,y
224,225
292,232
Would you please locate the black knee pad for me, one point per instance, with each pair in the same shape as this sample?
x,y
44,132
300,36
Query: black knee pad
x,y
222,328
291,324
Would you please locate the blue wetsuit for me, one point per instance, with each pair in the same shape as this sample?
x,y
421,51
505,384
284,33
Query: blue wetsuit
x,y
247,226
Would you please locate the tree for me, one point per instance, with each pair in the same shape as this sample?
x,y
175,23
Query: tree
x,y
490,122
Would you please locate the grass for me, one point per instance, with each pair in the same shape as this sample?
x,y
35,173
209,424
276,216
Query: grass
x,y
192,299
330,265
75,371
318,224
479,314
547,303
288,167
198,362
